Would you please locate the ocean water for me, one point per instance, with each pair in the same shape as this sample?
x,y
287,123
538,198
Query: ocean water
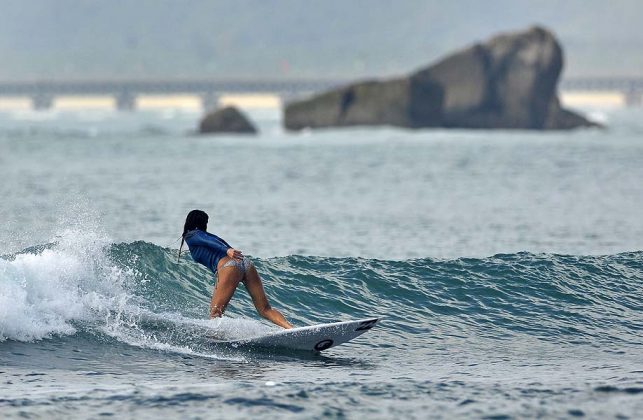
x,y
507,267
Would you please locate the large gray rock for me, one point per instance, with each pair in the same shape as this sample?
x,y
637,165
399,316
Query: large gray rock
x,y
395,102
226,120
507,82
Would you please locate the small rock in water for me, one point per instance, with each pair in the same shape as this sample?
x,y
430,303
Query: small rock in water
x,y
226,120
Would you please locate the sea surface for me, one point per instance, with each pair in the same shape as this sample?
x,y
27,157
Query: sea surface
x,y
507,267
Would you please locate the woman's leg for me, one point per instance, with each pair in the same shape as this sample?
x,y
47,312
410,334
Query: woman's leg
x,y
255,289
227,282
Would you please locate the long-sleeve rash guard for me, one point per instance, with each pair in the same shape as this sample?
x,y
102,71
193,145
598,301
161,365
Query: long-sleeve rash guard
x,y
206,248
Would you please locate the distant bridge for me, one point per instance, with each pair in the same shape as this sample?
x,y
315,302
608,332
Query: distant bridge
x,y
125,92
623,84
630,87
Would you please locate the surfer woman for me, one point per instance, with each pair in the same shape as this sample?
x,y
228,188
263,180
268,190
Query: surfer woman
x,y
230,266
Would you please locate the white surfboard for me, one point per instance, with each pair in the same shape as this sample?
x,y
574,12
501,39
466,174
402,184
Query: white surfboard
x,y
313,338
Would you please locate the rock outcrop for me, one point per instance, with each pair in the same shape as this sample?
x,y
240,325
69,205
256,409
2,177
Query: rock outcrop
x,y
507,82
226,120
397,102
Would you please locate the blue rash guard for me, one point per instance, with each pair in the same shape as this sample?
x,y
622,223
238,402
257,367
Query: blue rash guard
x,y
206,248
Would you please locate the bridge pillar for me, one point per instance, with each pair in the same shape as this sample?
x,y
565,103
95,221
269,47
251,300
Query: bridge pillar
x,y
42,101
633,98
125,101
287,97
209,101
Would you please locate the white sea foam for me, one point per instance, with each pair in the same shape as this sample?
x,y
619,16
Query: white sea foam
x,y
137,337
237,328
49,292
599,116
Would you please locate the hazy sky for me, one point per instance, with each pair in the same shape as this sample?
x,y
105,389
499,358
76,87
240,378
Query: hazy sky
x,y
63,39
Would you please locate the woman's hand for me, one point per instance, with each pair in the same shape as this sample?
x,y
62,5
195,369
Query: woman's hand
x,y
235,254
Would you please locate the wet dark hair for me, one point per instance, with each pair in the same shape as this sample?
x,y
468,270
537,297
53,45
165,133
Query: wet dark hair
x,y
196,219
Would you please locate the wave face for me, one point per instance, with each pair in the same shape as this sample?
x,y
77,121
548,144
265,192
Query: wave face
x,y
138,294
